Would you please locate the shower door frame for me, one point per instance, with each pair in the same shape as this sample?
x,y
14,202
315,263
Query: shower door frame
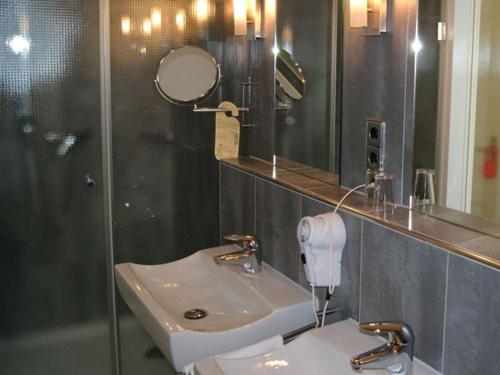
x,y
107,173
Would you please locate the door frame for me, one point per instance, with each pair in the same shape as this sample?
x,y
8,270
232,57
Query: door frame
x,y
457,102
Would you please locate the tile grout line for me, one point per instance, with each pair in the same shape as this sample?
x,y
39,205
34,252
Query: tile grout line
x,y
254,205
361,266
445,310
220,203
301,202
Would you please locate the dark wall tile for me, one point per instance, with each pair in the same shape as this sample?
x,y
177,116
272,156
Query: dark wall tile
x,y
346,295
472,341
404,279
278,213
237,202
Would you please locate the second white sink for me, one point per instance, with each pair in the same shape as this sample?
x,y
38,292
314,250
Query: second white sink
x,y
240,309
322,351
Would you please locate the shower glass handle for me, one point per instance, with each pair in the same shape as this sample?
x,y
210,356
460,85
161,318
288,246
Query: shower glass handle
x,y
89,180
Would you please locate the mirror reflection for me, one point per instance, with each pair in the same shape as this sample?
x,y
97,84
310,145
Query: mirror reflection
x,y
187,75
306,69
457,113
453,165
291,82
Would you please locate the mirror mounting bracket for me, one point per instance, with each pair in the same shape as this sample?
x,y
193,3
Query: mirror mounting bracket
x,y
246,98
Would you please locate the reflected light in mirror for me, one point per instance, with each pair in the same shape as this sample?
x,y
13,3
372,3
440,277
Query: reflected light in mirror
x,y
270,8
251,10
287,38
19,45
24,24
146,26
156,18
417,45
180,19
201,10
276,50
359,13
125,25
269,16
240,17
258,22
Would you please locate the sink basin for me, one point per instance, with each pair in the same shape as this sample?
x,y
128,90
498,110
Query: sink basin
x,y
241,309
322,351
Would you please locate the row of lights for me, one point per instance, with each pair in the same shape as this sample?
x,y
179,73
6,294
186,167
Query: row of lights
x,y
245,11
154,22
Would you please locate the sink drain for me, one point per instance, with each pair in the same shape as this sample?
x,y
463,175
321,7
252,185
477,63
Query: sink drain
x,y
195,314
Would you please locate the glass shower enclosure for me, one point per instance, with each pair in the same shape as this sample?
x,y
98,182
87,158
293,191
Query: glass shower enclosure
x,y
60,60
55,317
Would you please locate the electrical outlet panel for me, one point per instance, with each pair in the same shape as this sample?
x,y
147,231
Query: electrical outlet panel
x,y
375,144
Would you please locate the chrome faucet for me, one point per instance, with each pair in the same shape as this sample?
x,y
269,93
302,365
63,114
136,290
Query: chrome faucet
x,y
396,355
251,253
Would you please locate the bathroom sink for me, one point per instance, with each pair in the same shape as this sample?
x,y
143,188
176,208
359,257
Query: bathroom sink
x,y
235,309
322,351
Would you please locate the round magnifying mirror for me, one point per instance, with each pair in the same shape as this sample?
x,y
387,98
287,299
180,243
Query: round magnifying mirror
x,y
187,75
290,78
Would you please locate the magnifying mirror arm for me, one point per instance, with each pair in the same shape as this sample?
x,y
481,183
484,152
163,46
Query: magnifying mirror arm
x,y
207,109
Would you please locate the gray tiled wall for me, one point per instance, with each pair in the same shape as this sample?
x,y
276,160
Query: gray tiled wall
x,y
405,279
451,303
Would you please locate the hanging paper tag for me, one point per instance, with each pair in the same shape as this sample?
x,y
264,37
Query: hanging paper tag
x,y
227,132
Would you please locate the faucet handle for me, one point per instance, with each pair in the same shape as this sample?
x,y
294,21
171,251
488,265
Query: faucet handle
x,y
399,333
249,241
239,237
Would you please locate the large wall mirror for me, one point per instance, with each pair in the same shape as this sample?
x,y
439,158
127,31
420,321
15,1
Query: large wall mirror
x,y
457,112
306,84
455,131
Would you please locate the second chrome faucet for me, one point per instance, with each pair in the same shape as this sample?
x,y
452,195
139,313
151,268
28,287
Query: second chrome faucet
x,y
396,355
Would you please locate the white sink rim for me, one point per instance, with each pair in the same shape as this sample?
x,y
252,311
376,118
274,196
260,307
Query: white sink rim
x,y
147,291
289,303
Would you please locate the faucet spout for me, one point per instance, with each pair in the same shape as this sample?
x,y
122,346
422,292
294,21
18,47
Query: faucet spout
x,y
251,253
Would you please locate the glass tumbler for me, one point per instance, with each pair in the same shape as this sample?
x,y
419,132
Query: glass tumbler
x,y
370,182
384,192
424,189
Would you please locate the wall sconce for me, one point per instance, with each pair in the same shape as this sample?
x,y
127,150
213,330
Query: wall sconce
x,y
180,20
201,10
240,17
146,26
256,10
370,15
126,25
247,12
359,13
156,18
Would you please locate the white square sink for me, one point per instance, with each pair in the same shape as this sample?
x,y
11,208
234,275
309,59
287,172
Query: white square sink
x,y
322,351
242,309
